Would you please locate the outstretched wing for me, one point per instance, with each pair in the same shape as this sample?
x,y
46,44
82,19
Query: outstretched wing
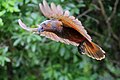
x,y
58,39
47,34
56,12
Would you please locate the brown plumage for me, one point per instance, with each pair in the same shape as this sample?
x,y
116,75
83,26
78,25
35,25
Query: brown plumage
x,y
65,28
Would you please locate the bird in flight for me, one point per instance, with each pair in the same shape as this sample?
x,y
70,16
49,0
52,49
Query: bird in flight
x,y
62,27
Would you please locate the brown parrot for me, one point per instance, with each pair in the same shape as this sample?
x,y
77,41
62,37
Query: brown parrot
x,y
66,29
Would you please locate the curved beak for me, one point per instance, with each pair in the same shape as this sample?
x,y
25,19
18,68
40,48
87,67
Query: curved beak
x,y
22,25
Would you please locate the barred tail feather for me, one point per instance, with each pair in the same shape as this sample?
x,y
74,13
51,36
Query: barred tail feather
x,y
92,50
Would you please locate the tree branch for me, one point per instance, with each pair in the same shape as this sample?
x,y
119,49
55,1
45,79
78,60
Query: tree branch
x,y
84,13
114,10
110,31
102,9
94,32
97,21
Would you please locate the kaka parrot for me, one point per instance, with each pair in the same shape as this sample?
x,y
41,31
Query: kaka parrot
x,y
66,29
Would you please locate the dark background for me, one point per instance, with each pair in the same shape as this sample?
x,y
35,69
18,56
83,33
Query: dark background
x,y
27,56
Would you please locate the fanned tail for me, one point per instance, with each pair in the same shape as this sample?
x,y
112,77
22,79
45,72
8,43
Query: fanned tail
x,y
92,50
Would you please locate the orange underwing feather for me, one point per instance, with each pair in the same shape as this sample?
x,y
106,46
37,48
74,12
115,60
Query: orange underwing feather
x,y
56,38
56,12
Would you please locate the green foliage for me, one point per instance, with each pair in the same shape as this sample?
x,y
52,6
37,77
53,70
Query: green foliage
x,y
27,56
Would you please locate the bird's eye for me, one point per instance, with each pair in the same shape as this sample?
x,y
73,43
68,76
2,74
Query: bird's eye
x,y
40,29
44,24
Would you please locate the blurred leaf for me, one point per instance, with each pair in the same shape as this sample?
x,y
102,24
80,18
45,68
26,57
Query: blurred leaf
x,y
17,42
3,59
2,13
1,22
6,49
33,48
62,51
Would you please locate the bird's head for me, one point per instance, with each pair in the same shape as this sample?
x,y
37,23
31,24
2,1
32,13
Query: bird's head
x,y
45,26
49,25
